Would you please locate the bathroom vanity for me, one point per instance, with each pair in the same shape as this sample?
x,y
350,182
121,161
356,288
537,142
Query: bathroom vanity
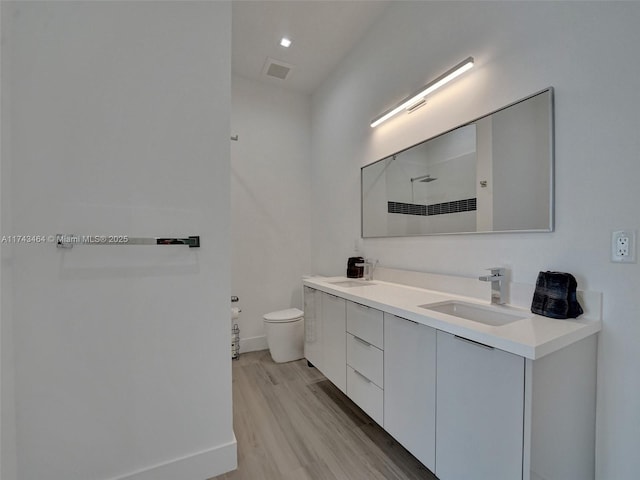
x,y
472,390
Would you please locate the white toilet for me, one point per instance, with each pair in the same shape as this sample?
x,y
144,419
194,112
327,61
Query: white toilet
x,y
285,334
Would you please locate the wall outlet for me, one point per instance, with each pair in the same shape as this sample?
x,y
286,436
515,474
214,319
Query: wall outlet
x,y
623,246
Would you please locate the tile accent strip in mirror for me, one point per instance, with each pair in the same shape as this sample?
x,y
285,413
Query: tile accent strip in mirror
x,y
444,208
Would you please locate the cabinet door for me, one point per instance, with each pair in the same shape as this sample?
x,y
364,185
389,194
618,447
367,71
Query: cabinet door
x,y
480,410
312,327
410,386
334,342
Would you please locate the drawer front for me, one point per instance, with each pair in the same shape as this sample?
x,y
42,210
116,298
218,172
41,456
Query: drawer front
x,y
366,394
366,323
366,359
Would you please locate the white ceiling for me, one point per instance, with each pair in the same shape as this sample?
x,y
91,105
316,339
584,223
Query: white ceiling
x,y
322,32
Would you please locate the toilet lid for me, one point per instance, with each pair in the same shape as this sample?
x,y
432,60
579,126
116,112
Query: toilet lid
x,y
287,315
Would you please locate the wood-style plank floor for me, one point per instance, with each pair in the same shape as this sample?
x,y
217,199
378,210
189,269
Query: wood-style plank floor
x,y
292,423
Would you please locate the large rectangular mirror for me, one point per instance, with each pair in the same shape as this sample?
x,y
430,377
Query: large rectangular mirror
x,y
494,174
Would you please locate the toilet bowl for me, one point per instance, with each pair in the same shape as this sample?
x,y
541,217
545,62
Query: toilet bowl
x,y
285,334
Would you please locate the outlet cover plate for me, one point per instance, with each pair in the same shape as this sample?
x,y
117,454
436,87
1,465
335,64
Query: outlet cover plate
x,y
623,246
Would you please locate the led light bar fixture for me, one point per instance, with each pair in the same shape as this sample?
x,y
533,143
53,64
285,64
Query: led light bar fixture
x,y
418,97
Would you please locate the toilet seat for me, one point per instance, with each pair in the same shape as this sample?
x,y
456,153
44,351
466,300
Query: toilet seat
x,y
284,316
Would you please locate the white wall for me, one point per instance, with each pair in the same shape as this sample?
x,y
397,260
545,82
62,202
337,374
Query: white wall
x,y
270,196
585,51
8,458
118,124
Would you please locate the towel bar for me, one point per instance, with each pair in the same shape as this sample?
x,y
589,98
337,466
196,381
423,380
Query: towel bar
x,y
69,240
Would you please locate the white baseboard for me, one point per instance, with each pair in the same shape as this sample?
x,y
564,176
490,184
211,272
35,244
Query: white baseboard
x,y
253,344
198,466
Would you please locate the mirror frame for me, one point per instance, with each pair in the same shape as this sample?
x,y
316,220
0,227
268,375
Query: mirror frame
x,y
551,227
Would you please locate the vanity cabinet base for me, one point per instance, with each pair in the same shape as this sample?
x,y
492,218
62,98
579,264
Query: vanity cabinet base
x,y
464,409
479,412
410,386
500,416
560,413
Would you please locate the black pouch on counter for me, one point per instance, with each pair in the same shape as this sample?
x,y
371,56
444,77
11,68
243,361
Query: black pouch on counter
x,y
555,296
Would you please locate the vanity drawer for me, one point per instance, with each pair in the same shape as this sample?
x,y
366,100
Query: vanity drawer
x,y
366,323
366,359
366,394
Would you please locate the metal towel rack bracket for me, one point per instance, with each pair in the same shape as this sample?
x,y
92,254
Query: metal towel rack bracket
x,y
69,240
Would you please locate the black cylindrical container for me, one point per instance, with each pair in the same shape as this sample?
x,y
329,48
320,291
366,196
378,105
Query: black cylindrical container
x,y
352,270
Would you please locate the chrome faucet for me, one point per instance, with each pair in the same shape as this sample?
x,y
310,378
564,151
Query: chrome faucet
x,y
498,284
369,268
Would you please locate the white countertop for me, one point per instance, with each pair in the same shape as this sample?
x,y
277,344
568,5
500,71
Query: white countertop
x,y
532,337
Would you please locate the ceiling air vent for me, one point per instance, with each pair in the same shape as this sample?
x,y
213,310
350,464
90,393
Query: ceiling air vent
x,y
276,69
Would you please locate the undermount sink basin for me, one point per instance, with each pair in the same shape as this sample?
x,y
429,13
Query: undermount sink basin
x,y
476,313
352,283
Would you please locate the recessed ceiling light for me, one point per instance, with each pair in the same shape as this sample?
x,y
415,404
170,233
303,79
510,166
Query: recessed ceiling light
x,y
285,42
